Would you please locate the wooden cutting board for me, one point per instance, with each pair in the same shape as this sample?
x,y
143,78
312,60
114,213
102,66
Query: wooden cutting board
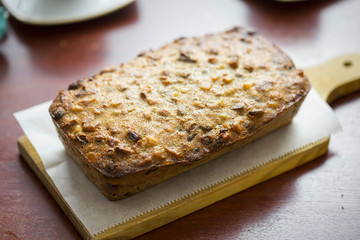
x,y
332,80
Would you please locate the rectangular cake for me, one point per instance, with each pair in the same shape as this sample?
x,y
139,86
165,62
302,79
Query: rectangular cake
x,y
172,109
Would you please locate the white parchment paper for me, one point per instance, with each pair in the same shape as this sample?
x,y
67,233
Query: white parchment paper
x,y
314,121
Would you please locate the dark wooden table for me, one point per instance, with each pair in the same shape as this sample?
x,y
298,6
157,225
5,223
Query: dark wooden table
x,y
320,200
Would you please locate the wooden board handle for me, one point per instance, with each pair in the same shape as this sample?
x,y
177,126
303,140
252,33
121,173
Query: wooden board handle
x,y
336,78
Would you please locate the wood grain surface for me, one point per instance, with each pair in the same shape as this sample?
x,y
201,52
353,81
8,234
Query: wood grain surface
x,y
320,200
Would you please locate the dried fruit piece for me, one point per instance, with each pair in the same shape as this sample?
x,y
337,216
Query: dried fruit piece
x,y
228,79
58,114
75,85
205,86
234,62
77,108
246,86
238,107
206,140
152,141
256,113
133,136
191,136
186,58
123,148
212,60
81,137
205,128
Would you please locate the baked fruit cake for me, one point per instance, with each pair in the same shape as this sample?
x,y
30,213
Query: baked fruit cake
x,y
169,110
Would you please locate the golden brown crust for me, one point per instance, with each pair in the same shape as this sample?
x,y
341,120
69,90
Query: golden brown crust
x,y
168,110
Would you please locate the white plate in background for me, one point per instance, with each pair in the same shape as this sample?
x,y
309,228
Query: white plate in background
x,y
55,12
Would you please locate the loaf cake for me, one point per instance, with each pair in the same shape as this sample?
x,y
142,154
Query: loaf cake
x,y
169,110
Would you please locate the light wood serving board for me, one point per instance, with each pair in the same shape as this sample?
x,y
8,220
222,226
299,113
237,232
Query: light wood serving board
x,y
332,80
